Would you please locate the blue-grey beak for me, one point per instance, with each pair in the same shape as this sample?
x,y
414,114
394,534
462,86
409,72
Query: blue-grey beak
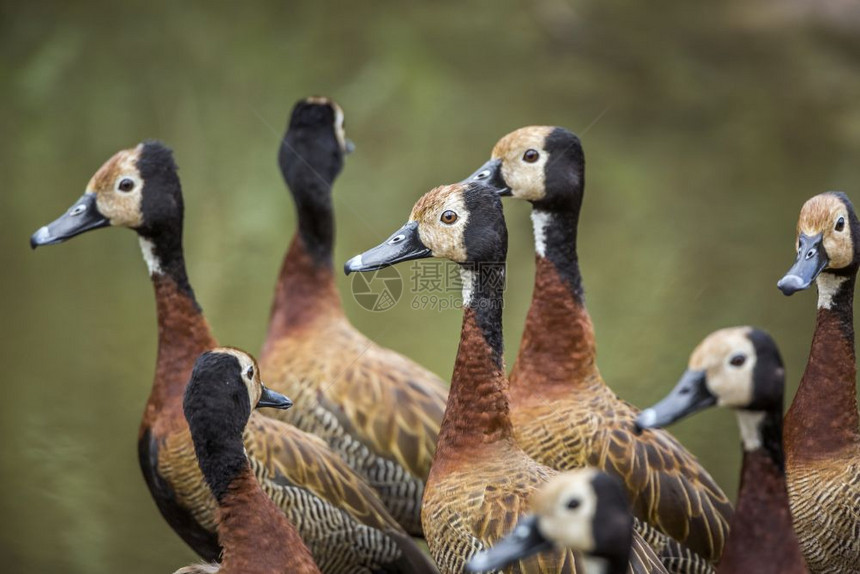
x,y
811,261
82,216
491,174
524,541
403,245
689,396
269,398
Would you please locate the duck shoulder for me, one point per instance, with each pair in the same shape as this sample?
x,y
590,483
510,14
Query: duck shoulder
x,y
668,487
470,507
390,404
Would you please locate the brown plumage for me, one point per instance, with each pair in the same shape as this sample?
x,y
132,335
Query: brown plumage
x,y
481,482
338,515
255,535
822,430
376,408
741,368
564,414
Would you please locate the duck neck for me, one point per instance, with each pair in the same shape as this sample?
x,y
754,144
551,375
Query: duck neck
x,y
183,332
823,417
477,412
762,519
250,529
558,346
305,289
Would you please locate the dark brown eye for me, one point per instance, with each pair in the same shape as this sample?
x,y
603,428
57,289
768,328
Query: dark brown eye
x,y
126,184
531,156
449,217
573,503
840,224
738,360
250,373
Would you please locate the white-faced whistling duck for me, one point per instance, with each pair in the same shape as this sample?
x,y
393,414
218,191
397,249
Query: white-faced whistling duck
x,y
741,368
378,409
822,431
584,510
481,481
338,515
564,414
255,536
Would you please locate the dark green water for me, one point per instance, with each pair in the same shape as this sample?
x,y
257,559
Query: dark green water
x,y
705,130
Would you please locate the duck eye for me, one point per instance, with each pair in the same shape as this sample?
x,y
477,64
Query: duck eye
x,y
840,224
126,184
448,217
738,360
531,156
250,373
573,504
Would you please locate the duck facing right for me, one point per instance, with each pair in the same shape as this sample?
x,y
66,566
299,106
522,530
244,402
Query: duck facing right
x,y
822,428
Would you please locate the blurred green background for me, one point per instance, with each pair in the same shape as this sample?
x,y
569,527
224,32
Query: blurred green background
x,y
705,129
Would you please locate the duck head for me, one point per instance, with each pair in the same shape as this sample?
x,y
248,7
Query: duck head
x,y
462,222
738,368
585,510
227,381
314,146
224,388
828,241
137,188
541,164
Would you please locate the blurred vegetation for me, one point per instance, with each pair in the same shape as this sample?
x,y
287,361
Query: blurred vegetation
x,y
705,130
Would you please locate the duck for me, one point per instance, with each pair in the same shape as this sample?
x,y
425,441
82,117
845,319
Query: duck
x,y
339,516
255,535
585,510
564,414
375,407
481,481
741,368
822,426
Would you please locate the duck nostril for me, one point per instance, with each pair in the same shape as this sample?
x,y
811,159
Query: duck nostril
x,y
397,239
684,391
483,175
810,253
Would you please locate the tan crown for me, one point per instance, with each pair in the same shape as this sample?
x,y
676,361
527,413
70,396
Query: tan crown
x,y
525,180
121,208
443,239
820,214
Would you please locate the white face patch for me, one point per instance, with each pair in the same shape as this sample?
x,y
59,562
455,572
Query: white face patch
x,y
728,358
570,527
119,189
339,131
828,286
152,261
445,240
749,422
540,221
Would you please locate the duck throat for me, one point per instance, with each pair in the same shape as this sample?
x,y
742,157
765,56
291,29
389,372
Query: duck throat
x,y
762,431
183,332
305,291
477,413
762,534
823,417
558,347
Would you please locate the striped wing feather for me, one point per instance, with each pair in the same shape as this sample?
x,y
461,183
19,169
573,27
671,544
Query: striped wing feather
x,y
825,506
470,510
378,410
668,487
